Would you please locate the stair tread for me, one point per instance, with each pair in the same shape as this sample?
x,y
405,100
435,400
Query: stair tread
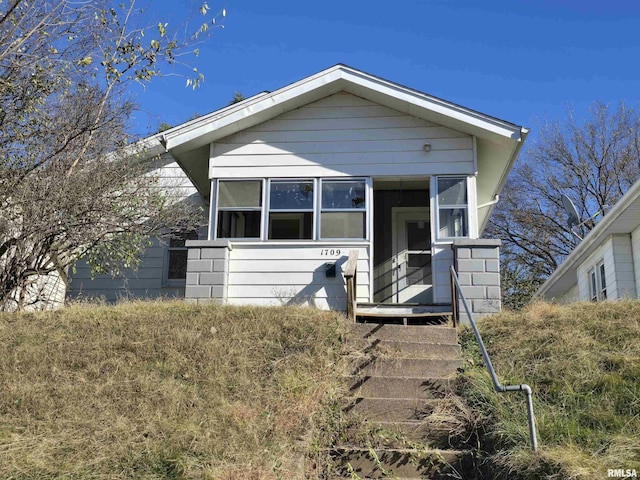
x,y
397,450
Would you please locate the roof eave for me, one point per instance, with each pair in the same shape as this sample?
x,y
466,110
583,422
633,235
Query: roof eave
x,y
524,132
587,245
265,106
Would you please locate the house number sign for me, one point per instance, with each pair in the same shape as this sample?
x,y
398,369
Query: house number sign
x,y
330,252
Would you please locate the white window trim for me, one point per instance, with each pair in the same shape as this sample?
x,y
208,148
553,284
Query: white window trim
x,y
597,292
366,209
267,203
214,205
435,208
317,209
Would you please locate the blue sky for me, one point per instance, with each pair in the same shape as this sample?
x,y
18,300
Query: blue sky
x,y
523,61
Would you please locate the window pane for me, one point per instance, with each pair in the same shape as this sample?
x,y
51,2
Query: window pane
x,y
240,194
418,235
342,225
239,224
419,269
452,191
453,222
177,265
603,283
283,226
177,239
291,196
343,194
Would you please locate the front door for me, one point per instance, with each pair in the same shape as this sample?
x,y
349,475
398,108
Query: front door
x,y
411,261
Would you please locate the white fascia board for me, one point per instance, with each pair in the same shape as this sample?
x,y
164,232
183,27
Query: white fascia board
x,y
272,104
593,239
417,103
505,174
268,105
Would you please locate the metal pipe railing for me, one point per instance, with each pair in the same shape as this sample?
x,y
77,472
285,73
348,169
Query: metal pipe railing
x,y
494,378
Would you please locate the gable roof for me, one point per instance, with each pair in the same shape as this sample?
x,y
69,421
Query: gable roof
x,y
498,141
623,218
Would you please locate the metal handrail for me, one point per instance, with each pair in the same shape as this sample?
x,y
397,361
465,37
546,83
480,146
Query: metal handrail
x,y
496,383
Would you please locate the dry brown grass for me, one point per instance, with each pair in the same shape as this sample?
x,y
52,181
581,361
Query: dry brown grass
x,y
583,363
163,390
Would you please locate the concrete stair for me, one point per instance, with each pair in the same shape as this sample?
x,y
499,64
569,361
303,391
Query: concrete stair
x,y
399,376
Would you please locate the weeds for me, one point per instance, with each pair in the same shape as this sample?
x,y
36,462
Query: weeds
x,y
164,390
583,363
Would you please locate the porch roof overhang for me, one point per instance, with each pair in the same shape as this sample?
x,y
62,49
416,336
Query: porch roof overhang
x,y
623,218
498,141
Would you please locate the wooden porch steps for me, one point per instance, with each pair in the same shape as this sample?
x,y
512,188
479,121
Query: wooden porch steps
x,y
405,313
399,383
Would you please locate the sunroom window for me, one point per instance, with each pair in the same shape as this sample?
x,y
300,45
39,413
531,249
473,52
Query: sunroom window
x,y
291,210
239,208
343,209
453,218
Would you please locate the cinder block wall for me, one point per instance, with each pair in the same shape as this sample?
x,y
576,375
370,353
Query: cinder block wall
x,y
207,271
477,263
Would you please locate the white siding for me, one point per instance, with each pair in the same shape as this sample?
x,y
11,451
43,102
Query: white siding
x,y
149,279
570,296
623,265
273,274
441,261
146,281
635,250
342,135
603,253
616,253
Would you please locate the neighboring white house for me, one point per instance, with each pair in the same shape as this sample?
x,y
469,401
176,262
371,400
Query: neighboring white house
x,y
339,161
605,265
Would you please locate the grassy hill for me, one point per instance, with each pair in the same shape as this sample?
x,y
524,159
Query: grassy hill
x,y
170,390
165,390
583,363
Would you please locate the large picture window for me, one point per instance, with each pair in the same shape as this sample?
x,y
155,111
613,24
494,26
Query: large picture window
x,y
453,219
291,210
239,208
343,209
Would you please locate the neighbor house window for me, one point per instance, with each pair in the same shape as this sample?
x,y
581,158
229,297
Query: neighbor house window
x,y
291,210
177,254
239,208
593,285
598,283
452,201
343,209
602,294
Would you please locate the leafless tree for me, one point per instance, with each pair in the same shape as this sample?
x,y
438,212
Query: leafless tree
x,y
71,183
593,162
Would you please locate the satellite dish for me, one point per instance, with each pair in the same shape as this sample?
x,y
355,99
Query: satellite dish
x,y
570,208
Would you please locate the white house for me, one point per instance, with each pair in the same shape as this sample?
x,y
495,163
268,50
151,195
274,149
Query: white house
x,y
605,265
294,180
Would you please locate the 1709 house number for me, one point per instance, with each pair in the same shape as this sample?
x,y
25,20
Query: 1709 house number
x,y
330,252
